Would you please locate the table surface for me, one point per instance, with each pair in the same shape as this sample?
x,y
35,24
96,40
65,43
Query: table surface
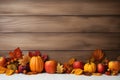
x,y
45,76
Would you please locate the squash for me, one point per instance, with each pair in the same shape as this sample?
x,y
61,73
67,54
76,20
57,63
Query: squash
x,y
36,64
114,66
90,67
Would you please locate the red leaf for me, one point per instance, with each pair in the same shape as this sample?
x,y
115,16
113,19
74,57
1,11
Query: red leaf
x,y
34,53
30,54
11,54
37,53
44,57
17,53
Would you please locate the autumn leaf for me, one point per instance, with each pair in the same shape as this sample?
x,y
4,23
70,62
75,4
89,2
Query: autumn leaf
x,y
60,68
17,53
24,60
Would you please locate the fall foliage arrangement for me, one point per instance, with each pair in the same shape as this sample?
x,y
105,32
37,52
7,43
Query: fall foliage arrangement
x,y
34,62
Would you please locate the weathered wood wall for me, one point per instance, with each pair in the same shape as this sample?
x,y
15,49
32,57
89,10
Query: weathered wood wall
x,y
61,28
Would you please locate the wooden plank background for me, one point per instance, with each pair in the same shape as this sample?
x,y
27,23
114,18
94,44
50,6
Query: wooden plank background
x,y
59,23
61,28
60,41
59,7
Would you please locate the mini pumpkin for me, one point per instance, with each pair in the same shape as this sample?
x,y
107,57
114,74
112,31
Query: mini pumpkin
x,y
114,66
36,64
90,67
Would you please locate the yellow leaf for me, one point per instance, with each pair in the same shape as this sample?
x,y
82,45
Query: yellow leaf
x,y
60,68
77,71
9,72
2,70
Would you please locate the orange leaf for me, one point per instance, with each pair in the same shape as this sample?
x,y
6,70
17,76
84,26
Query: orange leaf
x,y
71,61
98,54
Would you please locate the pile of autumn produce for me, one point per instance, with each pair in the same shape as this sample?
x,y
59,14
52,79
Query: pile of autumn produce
x,y
34,63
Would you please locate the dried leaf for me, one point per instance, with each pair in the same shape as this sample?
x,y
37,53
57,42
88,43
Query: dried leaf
x,y
31,73
87,74
2,70
60,68
71,61
98,55
24,60
96,74
34,53
9,72
77,71
17,53
44,57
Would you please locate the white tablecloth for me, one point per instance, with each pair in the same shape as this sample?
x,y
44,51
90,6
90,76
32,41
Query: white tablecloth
x,y
45,76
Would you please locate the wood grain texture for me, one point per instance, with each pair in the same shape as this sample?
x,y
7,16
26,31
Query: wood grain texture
x,y
59,7
59,24
64,56
60,41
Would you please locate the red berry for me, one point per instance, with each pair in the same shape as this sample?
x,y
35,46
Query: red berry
x,y
16,71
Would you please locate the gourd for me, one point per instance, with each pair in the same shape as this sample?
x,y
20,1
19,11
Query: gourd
x,y
90,67
36,64
114,66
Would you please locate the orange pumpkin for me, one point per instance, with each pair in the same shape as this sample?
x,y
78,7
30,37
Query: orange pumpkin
x,y
36,64
114,66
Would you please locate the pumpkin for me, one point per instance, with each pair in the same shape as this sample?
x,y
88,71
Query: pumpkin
x,y
114,66
98,55
90,67
36,64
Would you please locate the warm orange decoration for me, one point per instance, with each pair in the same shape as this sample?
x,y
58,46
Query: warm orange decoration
x,y
114,66
98,55
36,64
77,71
71,61
90,67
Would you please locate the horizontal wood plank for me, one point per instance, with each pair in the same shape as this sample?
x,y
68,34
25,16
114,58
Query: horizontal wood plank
x,y
59,7
60,41
64,56
59,24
